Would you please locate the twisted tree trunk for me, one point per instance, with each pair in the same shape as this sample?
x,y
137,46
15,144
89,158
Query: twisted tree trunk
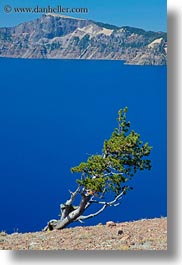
x,y
73,215
69,214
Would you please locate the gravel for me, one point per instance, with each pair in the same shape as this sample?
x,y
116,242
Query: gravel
x,y
146,234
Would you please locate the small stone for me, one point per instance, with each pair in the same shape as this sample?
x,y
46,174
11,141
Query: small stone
x,y
120,232
3,233
32,245
110,224
123,239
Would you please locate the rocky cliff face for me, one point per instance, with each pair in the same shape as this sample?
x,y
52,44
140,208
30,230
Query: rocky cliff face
x,y
60,37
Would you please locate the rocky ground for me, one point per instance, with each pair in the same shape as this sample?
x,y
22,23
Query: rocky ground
x,y
146,234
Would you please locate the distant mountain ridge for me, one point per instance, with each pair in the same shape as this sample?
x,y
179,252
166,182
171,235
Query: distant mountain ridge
x,y
62,37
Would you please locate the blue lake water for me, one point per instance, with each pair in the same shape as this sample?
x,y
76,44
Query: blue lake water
x,y
54,114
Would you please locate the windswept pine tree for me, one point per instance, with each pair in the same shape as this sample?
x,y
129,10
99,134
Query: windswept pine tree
x,y
106,175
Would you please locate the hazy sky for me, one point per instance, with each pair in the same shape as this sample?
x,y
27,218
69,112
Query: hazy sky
x,y
149,15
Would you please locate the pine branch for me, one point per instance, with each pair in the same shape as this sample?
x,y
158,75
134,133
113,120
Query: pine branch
x,y
105,204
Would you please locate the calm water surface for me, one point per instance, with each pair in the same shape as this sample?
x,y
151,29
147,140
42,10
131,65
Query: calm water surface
x,y
54,114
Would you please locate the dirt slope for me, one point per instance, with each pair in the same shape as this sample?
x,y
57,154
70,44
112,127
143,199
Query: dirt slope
x,y
149,234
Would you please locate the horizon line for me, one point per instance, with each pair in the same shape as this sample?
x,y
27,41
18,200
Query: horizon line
x,y
77,18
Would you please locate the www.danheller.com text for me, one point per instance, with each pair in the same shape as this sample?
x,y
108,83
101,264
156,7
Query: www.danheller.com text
x,y
49,9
